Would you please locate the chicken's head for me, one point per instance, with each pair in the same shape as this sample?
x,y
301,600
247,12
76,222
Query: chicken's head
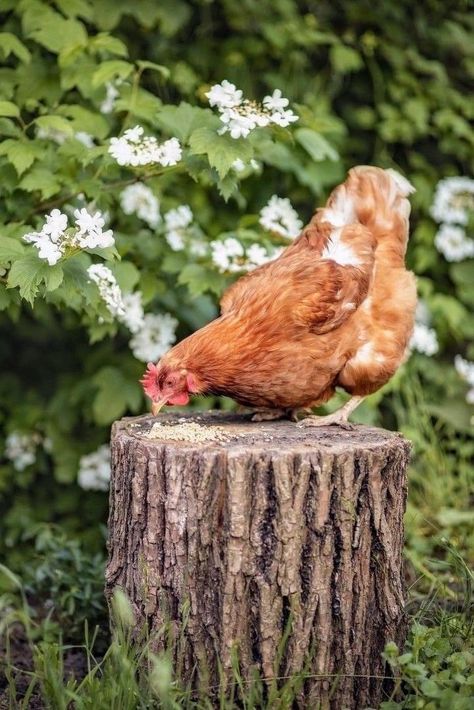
x,y
167,385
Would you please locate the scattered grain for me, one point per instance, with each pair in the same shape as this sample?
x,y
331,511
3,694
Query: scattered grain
x,y
187,431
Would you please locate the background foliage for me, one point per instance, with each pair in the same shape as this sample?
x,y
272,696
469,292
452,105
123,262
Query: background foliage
x,y
381,83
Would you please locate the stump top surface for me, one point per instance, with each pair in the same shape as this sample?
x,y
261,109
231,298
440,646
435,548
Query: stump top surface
x,y
224,430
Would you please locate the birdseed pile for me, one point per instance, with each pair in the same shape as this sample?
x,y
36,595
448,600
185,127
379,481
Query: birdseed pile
x,y
186,431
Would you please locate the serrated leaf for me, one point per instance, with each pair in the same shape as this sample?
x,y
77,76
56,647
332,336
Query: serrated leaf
x,y
200,279
228,186
315,144
27,273
182,120
53,277
76,286
221,151
160,68
41,180
51,30
10,44
21,154
110,70
10,249
8,108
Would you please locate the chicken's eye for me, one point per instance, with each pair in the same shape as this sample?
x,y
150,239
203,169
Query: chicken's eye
x,y
169,383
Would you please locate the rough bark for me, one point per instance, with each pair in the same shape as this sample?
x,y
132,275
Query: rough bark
x,y
273,529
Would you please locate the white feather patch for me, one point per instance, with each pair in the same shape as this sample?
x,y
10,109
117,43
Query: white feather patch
x,y
339,252
366,354
404,186
341,212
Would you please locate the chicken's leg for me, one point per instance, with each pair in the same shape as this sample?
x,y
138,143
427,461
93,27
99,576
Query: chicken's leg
x,y
340,416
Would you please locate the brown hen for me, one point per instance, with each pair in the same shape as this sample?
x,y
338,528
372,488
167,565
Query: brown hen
x,y
335,309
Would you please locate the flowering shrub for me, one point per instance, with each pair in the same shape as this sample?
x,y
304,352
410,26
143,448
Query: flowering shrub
x,y
138,180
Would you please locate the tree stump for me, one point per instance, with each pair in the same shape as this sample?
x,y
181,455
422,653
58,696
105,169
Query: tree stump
x,y
281,545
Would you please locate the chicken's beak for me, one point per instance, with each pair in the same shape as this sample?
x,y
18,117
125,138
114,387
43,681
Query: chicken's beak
x,y
157,406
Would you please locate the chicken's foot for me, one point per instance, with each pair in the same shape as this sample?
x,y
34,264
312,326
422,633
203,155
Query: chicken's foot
x,y
269,415
339,417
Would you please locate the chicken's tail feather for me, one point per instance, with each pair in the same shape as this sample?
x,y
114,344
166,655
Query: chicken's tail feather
x,y
376,199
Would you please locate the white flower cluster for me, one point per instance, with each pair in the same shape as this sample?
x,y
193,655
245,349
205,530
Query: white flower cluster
x,y
453,200
453,243
133,148
108,288
52,134
176,223
152,334
229,255
424,339
94,470
466,370
279,217
240,116
182,232
133,317
239,166
53,239
20,449
452,203
155,337
111,95
139,199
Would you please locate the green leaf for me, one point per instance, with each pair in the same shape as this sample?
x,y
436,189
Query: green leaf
x,y
21,154
200,279
41,180
221,151
315,144
345,59
52,30
27,273
8,108
429,688
10,249
54,123
10,44
53,277
182,120
116,394
103,42
127,275
111,69
228,186
160,68
76,8
76,287
82,119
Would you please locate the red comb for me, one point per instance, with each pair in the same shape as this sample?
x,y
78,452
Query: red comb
x,y
149,381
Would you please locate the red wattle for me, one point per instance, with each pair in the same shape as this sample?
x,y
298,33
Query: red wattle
x,y
182,399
